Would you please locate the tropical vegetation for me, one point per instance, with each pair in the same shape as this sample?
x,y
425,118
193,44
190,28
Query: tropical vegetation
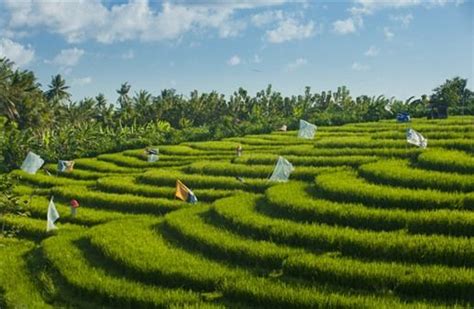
x,y
49,123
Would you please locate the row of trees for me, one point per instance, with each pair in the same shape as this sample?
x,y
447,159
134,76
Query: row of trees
x,y
54,126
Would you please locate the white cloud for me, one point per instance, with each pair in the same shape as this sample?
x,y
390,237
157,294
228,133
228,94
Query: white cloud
x,y
67,57
133,20
267,17
128,55
292,66
404,20
82,81
256,58
234,60
290,29
372,51
370,6
16,52
356,66
231,29
73,20
388,34
344,26
349,25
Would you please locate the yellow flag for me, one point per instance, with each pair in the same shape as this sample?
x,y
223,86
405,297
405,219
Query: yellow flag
x,y
181,191
184,194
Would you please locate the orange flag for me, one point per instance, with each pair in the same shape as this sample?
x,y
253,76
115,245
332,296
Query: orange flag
x,y
184,193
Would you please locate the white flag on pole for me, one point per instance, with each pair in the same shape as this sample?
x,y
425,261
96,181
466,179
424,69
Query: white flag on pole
x,y
416,138
52,216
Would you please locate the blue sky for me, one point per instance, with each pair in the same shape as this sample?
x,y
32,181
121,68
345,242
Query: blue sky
x,y
396,48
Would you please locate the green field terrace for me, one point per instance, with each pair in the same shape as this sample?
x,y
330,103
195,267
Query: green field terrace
x,y
366,220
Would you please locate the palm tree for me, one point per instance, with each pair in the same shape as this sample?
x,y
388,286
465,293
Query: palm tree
x,y
124,99
107,116
100,108
142,105
57,91
7,104
17,88
126,113
101,101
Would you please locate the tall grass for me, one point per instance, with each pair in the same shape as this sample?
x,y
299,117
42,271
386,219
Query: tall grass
x,y
16,286
400,173
444,160
345,186
300,201
390,246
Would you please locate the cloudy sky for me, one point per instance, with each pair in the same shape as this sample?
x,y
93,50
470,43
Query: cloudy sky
x,y
396,48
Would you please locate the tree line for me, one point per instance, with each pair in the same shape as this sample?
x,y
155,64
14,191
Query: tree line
x,y
51,124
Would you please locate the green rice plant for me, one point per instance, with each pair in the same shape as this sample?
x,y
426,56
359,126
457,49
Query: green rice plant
x,y
359,142
169,177
367,142
77,174
308,151
188,149
254,171
102,166
243,218
17,288
127,203
38,206
72,265
456,144
179,153
227,146
45,181
444,127
433,282
31,228
400,173
345,186
458,125
447,160
282,136
134,246
134,162
178,150
127,161
28,190
452,120
129,185
430,135
298,161
258,141
299,201
190,226
228,169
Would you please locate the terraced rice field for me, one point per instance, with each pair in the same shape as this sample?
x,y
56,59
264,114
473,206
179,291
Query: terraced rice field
x,y
366,221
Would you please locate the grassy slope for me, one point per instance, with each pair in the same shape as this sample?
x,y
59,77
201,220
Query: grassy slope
x,y
371,222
